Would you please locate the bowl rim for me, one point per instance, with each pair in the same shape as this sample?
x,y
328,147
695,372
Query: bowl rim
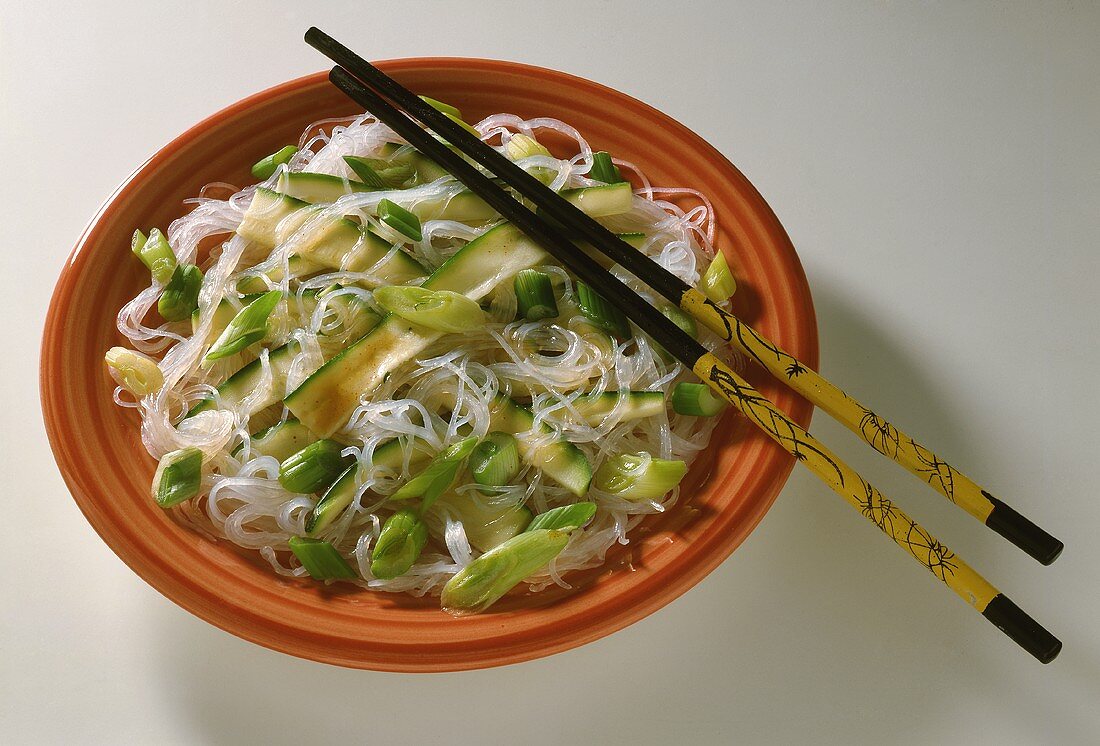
x,y
523,649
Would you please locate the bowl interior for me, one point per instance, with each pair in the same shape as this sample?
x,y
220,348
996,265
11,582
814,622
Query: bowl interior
x,y
98,445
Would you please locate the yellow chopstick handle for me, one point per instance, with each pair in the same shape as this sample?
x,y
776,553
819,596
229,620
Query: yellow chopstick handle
x,y
875,430
906,533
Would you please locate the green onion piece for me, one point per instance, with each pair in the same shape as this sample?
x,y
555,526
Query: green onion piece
x,y
181,295
639,476
399,545
321,559
247,327
521,146
696,399
137,373
495,460
718,282
400,219
535,295
364,169
314,467
440,106
264,167
178,477
393,174
604,169
601,312
437,476
441,310
482,582
565,518
462,124
682,320
155,253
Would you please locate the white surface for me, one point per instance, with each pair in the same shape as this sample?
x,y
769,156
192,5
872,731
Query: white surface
x,y
938,170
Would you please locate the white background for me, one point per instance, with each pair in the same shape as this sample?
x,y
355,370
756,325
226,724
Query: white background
x,y
937,166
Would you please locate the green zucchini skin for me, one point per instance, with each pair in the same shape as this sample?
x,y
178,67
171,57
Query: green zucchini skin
x,y
325,400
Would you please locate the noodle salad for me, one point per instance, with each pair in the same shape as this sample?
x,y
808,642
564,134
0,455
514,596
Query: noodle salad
x,y
355,368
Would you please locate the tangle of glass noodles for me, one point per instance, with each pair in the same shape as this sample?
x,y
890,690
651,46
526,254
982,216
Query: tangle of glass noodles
x,y
549,363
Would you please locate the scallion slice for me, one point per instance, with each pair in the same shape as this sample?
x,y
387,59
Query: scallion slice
x,y
718,283
400,219
696,399
436,476
137,373
181,295
601,312
440,106
639,476
441,310
682,320
313,468
364,169
321,559
461,123
521,146
482,582
178,477
400,543
495,460
247,327
604,169
266,166
155,253
535,295
565,518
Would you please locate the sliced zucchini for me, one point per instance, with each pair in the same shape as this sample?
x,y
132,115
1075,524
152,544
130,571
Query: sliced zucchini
x,y
325,400
280,441
223,314
486,526
339,496
254,282
319,187
273,217
639,405
266,211
245,381
464,206
342,243
559,459
334,502
600,201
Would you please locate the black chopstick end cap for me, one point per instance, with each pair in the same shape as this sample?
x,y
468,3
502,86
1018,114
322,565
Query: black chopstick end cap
x,y
1022,532
1025,631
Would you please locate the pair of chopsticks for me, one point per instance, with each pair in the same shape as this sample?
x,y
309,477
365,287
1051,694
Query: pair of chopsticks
x,y
370,88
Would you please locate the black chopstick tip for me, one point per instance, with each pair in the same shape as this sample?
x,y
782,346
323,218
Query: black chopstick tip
x,y
1022,532
1024,631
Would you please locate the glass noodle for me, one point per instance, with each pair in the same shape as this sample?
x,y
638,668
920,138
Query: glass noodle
x,y
549,363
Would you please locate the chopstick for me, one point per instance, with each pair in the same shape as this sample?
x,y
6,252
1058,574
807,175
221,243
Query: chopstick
x,y
933,555
875,430
860,494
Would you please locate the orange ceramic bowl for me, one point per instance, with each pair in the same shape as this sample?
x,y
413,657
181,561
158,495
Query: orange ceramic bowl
x,y
99,451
